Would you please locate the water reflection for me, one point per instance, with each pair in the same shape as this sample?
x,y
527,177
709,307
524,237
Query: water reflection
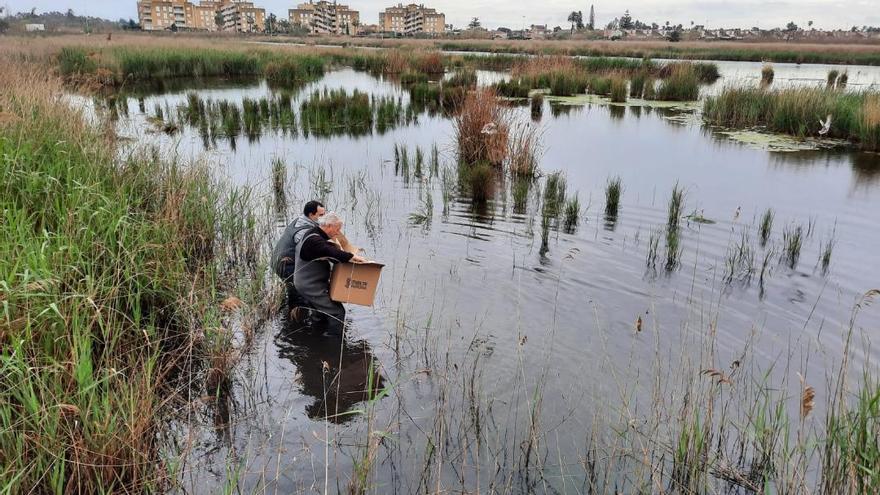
x,y
335,372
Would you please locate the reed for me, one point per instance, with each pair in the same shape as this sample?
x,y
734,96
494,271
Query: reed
x,y
842,80
832,78
618,90
537,106
682,84
120,328
613,191
572,214
524,148
331,112
650,91
600,85
792,241
513,88
767,75
825,252
279,181
798,111
554,195
637,84
521,188
479,179
481,128
766,226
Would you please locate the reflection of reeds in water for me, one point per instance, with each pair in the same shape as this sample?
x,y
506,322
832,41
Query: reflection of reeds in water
x,y
792,241
653,248
420,159
766,226
435,160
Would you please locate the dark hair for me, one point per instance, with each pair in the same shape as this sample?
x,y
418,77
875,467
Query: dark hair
x,y
312,207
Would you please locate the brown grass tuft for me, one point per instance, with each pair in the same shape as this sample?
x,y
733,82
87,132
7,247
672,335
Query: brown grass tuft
x,y
482,128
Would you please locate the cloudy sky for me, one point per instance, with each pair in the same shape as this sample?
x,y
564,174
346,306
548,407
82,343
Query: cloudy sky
x,y
827,14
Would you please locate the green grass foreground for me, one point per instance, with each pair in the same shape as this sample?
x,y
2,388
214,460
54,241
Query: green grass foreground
x,y
855,116
107,273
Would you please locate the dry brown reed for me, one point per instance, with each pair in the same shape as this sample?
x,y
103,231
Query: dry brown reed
x,y
482,128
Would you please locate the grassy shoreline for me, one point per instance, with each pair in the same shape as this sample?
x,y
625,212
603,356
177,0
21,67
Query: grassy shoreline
x,y
109,283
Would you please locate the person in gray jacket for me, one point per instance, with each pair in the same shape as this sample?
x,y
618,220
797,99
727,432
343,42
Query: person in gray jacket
x,y
284,254
314,255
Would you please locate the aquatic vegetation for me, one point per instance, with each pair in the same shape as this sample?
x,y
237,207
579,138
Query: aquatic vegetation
x,y
572,214
67,297
842,79
618,90
462,78
411,77
832,78
521,188
289,72
537,106
799,112
420,160
524,150
554,195
766,226
792,241
479,179
653,248
825,251
650,91
514,88
739,260
637,84
613,191
682,84
767,75
435,160
674,210
279,181
481,128
600,85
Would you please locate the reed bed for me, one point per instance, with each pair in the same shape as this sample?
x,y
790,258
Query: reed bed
x,y
613,191
854,115
682,84
110,294
618,90
767,75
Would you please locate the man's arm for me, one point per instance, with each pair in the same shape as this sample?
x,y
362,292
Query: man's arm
x,y
315,247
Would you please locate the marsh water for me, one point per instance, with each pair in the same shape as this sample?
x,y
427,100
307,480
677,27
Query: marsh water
x,y
472,310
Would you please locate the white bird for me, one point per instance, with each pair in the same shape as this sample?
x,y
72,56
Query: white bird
x,y
490,129
826,125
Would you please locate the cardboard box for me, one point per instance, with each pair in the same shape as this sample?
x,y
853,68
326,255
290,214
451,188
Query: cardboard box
x,y
355,282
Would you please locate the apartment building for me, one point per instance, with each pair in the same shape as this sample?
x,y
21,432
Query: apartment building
x,y
412,19
325,17
236,15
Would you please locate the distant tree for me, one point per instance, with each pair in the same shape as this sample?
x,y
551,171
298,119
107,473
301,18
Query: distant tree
x,y
475,23
655,26
133,25
791,26
173,27
809,23
674,35
572,19
218,20
556,29
626,22
33,13
580,20
70,14
592,22
504,30
271,22
4,25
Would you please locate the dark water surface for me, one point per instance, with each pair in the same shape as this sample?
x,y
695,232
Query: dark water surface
x,y
470,305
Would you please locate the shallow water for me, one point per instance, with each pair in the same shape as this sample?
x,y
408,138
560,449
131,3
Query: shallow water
x,y
509,316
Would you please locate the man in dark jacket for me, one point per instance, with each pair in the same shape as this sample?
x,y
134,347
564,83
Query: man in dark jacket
x,y
284,254
314,255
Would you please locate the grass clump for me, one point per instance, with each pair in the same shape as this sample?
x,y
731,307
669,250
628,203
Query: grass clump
x,y
613,190
637,84
514,88
618,90
293,71
336,111
572,214
832,78
481,128
767,75
792,241
766,226
650,91
682,84
537,106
